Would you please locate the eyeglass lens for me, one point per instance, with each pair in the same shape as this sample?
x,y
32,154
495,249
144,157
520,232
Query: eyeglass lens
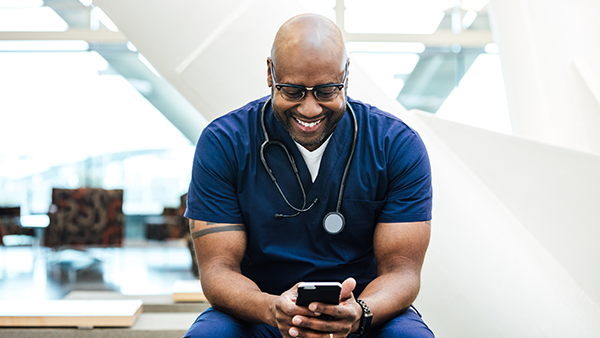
x,y
321,94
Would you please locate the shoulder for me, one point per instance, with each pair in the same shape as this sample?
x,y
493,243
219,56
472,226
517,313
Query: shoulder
x,y
382,126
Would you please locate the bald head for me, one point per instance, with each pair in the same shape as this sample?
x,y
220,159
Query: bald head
x,y
309,36
308,52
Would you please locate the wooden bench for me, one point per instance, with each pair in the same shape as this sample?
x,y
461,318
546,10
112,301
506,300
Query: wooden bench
x,y
148,325
152,303
188,291
98,314
90,319
70,313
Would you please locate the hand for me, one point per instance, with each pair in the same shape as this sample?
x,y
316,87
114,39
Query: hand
x,y
284,309
346,317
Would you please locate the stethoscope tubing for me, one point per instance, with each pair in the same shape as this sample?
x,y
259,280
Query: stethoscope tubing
x,y
268,142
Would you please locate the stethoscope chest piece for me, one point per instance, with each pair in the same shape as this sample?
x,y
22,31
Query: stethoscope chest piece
x,y
333,223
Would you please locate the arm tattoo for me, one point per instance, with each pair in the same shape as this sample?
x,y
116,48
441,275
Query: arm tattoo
x,y
217,229
193,224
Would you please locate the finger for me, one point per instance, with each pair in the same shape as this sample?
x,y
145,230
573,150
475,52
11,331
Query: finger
x,y
313,310
347,287
307,333
313,327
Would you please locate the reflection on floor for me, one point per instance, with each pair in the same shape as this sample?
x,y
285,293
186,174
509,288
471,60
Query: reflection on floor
x,y
33,272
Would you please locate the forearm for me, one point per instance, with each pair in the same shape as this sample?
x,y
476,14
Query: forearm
x,y
391,294
219,251
231,292
400,251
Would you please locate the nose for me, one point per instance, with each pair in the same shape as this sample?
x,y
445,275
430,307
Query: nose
x,y
309,106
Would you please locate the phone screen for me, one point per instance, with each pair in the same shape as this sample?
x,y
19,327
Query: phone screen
x,y
324,292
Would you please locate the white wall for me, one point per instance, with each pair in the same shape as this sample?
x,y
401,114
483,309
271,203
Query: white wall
x,y
513,251
550,54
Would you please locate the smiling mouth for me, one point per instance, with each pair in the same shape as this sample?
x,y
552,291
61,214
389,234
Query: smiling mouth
x,y
307,124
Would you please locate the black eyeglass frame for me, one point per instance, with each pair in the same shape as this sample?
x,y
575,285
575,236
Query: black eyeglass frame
x,y
314,89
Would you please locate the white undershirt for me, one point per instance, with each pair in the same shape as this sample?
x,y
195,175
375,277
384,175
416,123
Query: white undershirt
x,y
313,158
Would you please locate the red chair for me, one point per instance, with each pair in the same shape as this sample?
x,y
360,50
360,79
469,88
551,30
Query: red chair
x,y
85,216
10,224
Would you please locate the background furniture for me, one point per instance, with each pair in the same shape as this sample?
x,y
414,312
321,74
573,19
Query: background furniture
x,y
80,218
10,224
85,216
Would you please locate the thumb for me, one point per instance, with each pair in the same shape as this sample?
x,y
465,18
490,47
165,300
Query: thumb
x,y
347,287
293,292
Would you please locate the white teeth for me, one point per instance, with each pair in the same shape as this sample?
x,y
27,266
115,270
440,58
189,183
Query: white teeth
x,y
309,125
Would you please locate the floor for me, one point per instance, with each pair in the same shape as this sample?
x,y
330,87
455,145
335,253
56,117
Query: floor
x,y
136,268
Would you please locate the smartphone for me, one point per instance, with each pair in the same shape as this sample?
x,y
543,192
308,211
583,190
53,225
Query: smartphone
x,y
324,292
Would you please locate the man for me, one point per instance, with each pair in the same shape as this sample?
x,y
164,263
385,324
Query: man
x,y
257,235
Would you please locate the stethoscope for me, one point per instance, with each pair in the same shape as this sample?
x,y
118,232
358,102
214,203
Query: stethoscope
x,y
333,222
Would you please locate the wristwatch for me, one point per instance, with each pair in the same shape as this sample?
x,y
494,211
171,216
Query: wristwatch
x,y
365,320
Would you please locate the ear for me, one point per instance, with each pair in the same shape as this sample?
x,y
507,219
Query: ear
x,y
348,76
269,75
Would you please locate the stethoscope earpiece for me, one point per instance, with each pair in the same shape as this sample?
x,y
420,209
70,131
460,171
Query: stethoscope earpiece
x,y
333,222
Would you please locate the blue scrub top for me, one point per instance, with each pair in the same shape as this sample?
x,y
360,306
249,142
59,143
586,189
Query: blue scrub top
x,y
389,180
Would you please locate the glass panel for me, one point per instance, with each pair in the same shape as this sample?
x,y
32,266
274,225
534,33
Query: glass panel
x,y
66,126
386,62
45,45
395,16
385,47
323,7
41,19
475,5
21,3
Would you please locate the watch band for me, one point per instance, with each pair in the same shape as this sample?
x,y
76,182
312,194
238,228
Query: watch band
x,y
365,320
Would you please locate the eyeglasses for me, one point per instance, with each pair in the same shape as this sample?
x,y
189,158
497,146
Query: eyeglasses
x,y
324,92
